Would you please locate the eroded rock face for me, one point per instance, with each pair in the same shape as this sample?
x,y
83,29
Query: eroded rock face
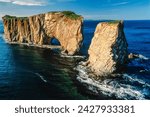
x,y
108,50
41,29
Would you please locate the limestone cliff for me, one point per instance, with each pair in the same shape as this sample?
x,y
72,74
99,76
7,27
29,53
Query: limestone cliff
x,y
108,50
41,29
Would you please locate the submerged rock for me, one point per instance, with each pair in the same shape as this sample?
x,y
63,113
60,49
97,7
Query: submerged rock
x,y
132,56
108,50
40,29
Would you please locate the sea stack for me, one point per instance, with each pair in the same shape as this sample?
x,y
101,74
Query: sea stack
x,y
108,49
65,26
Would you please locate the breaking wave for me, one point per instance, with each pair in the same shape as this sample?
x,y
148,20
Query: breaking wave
x,y
75,56
143,57
121,86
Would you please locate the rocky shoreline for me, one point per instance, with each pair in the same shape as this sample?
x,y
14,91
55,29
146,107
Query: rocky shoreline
x,y
36,45
107,52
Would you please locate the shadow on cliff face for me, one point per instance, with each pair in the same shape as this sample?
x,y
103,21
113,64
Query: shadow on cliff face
x,y
88,33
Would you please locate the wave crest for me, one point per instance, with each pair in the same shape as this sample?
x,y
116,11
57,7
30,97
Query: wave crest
x,y
119,86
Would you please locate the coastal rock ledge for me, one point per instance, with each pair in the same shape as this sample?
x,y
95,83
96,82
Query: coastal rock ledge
x,y
65,26
108,49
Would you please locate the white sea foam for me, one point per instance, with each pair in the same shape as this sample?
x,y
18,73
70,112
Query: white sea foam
x,y
110,87
75,56
41,77
143,57
145,70
133,78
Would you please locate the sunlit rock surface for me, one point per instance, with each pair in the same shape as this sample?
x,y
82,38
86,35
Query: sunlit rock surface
x,y
40,29
108,49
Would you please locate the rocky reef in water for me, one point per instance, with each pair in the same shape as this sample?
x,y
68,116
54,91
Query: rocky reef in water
x,y
108,50
65,26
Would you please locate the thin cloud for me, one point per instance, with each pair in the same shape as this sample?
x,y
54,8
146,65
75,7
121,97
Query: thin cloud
x,y
28,3
25,2
5,0
34,2
120,3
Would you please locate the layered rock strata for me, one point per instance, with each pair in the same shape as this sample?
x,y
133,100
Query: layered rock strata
x,y
40,29
108,50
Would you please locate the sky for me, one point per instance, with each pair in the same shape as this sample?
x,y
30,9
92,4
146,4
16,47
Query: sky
x,y
89,9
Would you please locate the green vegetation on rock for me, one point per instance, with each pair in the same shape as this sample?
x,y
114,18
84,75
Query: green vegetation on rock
x,y
114,21
8,17
71,15
68,14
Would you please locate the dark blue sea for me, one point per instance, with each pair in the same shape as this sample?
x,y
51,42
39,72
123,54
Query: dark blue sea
x,y
35,73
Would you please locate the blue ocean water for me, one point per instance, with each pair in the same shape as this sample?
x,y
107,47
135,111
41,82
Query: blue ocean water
x,y
35,73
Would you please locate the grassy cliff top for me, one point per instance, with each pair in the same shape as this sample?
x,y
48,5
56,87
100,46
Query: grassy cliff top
x,y
68,14
114,21
8,17
71,15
